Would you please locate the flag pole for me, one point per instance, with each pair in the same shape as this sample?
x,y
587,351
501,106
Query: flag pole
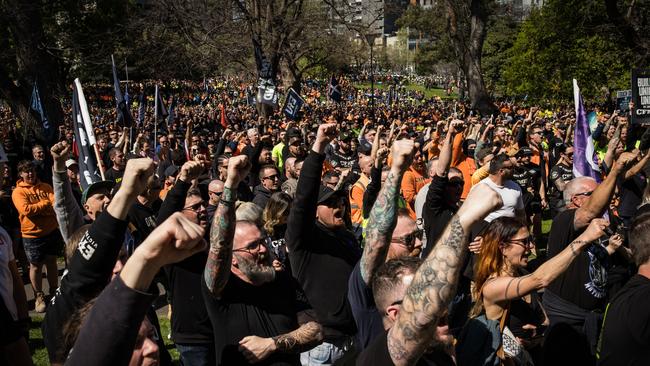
x,y
126,71
155,120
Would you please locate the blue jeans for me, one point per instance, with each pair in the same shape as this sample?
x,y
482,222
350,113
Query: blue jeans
x,y
326,353
199,354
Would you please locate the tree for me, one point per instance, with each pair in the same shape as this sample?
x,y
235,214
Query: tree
x,y
467,28
551,49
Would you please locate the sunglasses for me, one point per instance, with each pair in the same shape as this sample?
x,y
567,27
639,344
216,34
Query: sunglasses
x,y
408,240
527,242
586,194
195,207
272,177
217,193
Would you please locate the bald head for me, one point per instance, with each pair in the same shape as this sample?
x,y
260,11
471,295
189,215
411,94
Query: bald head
x,y
578,186
215,189
365,164
290,165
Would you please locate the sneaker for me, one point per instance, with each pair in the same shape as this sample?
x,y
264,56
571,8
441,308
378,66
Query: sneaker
x,y
39,303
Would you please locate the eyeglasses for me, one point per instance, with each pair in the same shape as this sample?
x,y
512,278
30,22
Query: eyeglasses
x,y
195,207
527,242
408,240
272,177
254,245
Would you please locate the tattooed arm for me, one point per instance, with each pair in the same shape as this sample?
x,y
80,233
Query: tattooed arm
x,y
383,216
256,349
433,286
222,232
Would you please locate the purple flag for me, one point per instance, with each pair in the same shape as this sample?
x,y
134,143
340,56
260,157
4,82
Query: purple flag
x,y
585,160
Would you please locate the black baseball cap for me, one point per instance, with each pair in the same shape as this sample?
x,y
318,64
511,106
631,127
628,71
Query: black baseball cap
x,y
95,187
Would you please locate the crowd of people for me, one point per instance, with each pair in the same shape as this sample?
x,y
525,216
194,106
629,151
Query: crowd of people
x,y
405,231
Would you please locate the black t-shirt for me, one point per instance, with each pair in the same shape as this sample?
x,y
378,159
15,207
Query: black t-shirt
x,y
584,283
243,310
364,309
559,171
625,339
631,191
527,176
343,161
190,321
377,355
114,175
144,220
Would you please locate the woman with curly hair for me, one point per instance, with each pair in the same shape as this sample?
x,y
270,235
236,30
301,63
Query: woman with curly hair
x,y
504,292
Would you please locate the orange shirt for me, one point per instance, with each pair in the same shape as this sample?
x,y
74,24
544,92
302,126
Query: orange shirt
x,y
412,182
35,205
463,163
356,198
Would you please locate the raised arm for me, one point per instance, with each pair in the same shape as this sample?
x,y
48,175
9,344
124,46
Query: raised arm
x,y
444,161
508,288
383,216
434,284
69,215
91,265
302,217
222,232
175,199
108,337
601,196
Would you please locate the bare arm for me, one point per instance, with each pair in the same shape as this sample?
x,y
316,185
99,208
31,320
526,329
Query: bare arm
x,y
444,161
302,339
383,216
637,167
434,283
599,199
257,349
507,288
222,232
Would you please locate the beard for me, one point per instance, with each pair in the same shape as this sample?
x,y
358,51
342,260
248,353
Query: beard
x,y
258,273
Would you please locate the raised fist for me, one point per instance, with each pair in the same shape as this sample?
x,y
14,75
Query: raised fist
x,y
172,241
60,153
136,175
403,151
479,203
190,171
238,168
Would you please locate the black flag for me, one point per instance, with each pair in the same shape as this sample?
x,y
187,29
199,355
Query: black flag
x,y
123,113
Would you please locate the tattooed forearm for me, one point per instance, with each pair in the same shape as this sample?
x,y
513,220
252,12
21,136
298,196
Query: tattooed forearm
x,y
428,296
304,338
217,268
381,223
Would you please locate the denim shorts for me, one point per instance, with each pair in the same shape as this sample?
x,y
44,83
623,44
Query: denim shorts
x,y
36,249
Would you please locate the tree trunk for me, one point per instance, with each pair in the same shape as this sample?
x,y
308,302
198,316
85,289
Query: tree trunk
x,y
478,95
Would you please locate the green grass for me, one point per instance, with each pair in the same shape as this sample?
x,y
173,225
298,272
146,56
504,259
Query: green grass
x,y
39,353
428,93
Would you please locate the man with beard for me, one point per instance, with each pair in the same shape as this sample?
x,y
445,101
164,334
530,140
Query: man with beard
x,y
253,308
343,157
191,329
293,167
323,252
